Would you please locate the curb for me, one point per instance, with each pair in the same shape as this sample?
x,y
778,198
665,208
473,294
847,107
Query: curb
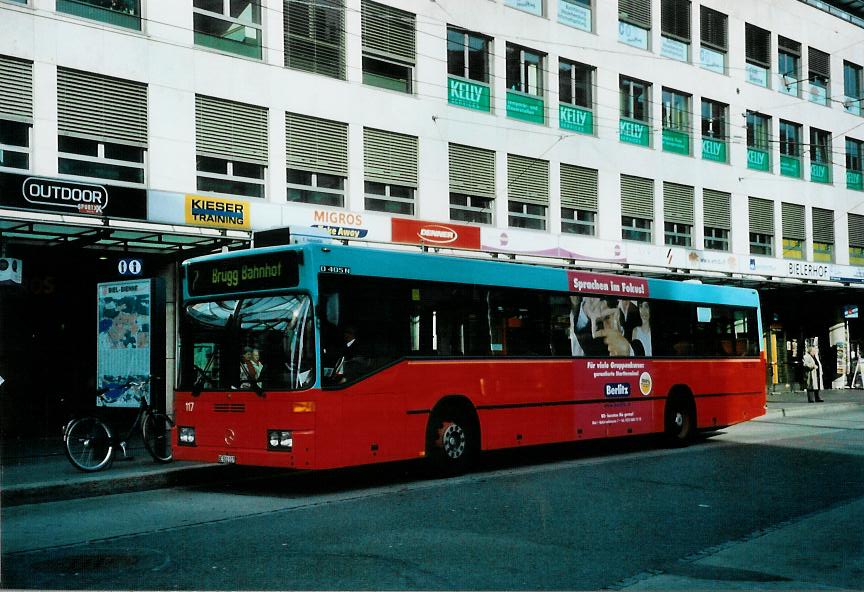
x,y
801,409
95,486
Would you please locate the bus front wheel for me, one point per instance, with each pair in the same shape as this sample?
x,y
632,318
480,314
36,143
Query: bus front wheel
x,y
680,420
452,440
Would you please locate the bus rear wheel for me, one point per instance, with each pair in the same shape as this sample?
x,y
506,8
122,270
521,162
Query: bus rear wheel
x,y
452,441
680,420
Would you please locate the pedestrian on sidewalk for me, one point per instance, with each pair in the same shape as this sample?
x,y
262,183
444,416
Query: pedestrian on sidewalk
x,y
812,374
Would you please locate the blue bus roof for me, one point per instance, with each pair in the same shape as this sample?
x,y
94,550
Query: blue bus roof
x,y
367,261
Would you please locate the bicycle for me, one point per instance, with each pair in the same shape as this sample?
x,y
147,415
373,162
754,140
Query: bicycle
x,y
91,444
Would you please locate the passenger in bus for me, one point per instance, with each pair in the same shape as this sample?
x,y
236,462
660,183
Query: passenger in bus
x,y
353,360
248,373
256,363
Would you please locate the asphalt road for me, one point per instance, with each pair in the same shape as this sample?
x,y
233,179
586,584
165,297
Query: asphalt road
x,y
775,505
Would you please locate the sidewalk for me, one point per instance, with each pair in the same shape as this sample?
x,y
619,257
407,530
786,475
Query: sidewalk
x,y
34,471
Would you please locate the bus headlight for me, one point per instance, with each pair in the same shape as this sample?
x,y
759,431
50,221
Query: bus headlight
x,y
186,435
280,440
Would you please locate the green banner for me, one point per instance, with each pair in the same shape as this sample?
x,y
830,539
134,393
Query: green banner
x,y
820,173
855,180
676,142
713,150
526,108
468,94
758,160
575,119
790,166
634,132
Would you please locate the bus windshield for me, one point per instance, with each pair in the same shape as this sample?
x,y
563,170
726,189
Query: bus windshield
x,y
249,344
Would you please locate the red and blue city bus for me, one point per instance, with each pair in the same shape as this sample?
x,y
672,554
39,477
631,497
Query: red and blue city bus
x,y
319,356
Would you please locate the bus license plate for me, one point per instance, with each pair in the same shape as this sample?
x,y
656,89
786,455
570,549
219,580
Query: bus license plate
x,y
227,459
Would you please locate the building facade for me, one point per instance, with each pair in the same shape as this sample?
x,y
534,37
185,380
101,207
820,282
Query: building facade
x,y
695,139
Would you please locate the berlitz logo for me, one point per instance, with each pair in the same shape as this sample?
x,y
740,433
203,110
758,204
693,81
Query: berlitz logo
x,y
435,233
617,389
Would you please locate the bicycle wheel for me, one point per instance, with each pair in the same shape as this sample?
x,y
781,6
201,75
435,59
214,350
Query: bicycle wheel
x,y
157,436
89,444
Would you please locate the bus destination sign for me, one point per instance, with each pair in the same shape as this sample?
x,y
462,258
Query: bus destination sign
x,y
244,274
607,285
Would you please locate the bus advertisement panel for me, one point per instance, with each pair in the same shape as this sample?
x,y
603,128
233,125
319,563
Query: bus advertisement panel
x,y
343,356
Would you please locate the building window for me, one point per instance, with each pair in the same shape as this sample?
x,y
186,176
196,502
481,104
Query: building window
x,y
757,48
853,88
472,183
761,244
390,198
575,84
534,7
715,40
675,29
761,212
233,26
121,13
231,145
794,233
575,96
468,67
823,235
634,125
854,164
636,229
789,66
16,112
758,141
527,192
102,125
714,134
525,84
390,170
855,225
716,239
676,122
678,214
232,177
81,157
576,13
820,156
716,218
314,33
389,47
14,144
578,200
634,22
790,149
316,160
819,76
637,208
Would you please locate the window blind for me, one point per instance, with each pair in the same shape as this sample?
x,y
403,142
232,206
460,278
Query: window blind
x,y
316,145
856,230
716,209
757,45
761,215
388,32
528,179
675,19
229,130
637,12
578,187
101,107
314,35
823,225
820,62
389,157
16,89
678,203
637,197
472,171
793,221
713,27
